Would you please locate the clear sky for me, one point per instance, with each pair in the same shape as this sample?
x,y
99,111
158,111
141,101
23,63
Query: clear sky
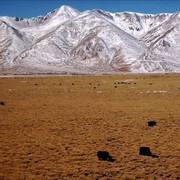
x,y
32,8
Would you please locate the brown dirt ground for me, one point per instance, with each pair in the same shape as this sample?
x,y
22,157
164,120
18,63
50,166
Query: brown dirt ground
x,y
51,129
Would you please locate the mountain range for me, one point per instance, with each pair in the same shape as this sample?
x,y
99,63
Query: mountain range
x,y
67,41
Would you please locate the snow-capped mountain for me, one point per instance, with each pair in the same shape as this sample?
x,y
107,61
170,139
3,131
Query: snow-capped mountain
x,y
93,41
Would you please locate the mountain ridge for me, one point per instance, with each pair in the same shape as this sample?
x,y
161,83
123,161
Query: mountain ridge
x,y
93,41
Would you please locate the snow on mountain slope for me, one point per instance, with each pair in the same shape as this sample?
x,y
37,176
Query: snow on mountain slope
x,y
84,46
66,40
51,21
164,35
163,42
136,24
38,26
11,42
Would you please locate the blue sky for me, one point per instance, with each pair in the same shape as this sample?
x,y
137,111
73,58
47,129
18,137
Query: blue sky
x,y
32,8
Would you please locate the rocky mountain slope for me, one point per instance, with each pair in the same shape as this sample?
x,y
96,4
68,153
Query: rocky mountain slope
x,y
93,41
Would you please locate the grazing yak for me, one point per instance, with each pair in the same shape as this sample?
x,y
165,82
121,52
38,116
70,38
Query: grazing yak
x,y
2,103
145,151
151,123
104,155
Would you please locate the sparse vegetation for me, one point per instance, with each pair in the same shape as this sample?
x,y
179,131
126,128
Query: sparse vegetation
x,y
55,131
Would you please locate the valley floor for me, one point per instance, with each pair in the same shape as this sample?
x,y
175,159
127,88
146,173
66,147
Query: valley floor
x,y
52,127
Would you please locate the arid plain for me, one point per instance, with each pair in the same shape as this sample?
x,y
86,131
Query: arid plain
x,y
52,127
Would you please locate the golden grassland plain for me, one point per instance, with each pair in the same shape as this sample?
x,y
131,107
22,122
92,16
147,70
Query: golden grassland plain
x,y
52,127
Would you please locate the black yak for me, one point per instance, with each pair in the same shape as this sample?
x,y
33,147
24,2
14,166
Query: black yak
x,y
145,151
151,123
104,155
2,103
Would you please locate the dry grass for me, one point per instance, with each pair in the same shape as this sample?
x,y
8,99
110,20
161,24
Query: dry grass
x,y
51,129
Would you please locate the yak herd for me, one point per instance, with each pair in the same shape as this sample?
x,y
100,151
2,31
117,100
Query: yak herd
x,y
104,155
145,151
